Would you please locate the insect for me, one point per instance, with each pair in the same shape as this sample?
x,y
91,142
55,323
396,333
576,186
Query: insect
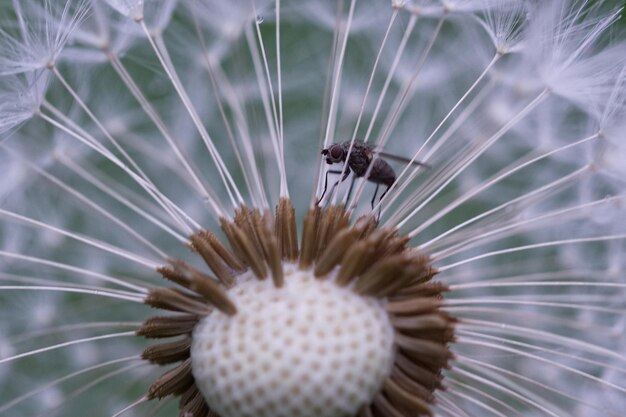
x,y
361,156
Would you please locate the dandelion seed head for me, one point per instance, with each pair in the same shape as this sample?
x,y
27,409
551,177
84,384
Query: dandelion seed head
x,y
281,324
307,348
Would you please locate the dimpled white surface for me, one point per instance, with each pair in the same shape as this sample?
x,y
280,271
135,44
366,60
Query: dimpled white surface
x,y
307,349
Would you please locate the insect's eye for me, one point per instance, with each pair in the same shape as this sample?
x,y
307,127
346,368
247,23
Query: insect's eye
x,y
336,152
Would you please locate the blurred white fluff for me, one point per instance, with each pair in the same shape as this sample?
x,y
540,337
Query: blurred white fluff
x,y
38,34
20,98
566,55
130,8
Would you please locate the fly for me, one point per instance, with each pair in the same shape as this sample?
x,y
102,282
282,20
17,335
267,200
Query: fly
x,y
361,156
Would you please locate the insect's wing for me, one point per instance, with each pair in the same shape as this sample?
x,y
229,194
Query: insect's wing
x,y
402,159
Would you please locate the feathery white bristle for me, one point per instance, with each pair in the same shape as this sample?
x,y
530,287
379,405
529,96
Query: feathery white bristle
x,y
44,29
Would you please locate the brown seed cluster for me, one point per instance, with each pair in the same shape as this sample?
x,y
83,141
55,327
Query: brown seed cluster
x,y
371,261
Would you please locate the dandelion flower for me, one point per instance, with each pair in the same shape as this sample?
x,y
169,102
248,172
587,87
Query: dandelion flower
x,y
278,209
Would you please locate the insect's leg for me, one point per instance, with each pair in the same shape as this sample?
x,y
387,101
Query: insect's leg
x,y
385,193
331,171
342,179
350,189
375,192
380,199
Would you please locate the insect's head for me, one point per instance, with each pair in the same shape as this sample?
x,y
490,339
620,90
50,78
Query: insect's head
x,y
334,153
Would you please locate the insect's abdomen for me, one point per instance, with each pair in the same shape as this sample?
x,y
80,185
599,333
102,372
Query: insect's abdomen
x,y
382,173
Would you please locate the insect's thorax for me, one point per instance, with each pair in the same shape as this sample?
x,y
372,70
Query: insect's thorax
x,y
360,157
